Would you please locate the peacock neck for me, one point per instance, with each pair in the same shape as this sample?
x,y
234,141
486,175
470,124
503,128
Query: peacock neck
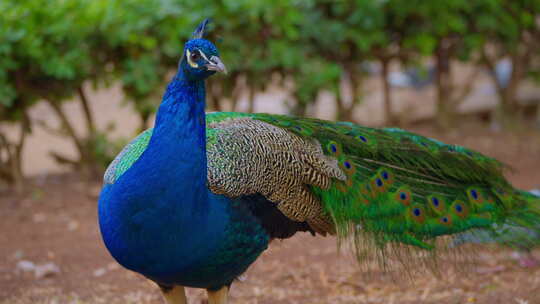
x,y
181,113
179,138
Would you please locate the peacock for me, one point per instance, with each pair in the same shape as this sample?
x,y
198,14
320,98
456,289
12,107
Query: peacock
x,y
194,201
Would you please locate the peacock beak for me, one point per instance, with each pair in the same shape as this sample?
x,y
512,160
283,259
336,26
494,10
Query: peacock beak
x,y
215,64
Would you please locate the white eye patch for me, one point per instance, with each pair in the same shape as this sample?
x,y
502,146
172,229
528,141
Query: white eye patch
x,y
189,60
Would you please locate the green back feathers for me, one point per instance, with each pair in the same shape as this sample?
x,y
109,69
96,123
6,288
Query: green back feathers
x,y
127,157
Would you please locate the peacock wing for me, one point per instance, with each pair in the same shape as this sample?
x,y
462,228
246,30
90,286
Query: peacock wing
x,y
129,154
249,156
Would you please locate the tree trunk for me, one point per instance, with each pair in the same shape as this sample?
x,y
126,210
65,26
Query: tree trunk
x,y
235,95
300,106
57,108
232,89
13,171
389,116
84,157
538,115
90,140
90,125
5,160
144,118
214,93
340,103
357,94
345,112
510,94
251,99
444,110
505,114
17,171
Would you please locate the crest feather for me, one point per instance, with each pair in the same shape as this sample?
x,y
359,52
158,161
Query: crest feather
x,y
201,29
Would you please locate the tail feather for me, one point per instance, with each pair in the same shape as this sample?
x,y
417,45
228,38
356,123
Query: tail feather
x,y
408,189
521,230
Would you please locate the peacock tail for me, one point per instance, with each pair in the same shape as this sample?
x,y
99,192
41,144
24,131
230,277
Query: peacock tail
x,y
508,234
377,186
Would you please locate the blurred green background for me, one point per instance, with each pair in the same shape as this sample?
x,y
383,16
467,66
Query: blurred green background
x,y
57,53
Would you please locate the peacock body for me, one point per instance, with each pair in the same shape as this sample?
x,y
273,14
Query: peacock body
x,y
195,200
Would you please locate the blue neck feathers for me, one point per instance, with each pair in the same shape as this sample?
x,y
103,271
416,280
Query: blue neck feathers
x,y
181,114
178,143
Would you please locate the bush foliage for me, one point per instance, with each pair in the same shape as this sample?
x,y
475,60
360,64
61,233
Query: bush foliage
x,y
50,48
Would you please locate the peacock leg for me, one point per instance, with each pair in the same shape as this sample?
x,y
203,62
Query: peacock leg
x,y
218,296
174,294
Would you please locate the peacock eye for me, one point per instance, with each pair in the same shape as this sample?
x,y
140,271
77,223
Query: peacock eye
x,y
195,55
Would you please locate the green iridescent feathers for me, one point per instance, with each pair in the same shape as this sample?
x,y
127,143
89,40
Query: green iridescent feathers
x,y
400,187
406,188
127,157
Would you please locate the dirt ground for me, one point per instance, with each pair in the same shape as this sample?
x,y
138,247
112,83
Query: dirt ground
x,y
55,222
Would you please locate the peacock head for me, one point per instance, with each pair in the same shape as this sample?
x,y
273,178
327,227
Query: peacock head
x,y
201,57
